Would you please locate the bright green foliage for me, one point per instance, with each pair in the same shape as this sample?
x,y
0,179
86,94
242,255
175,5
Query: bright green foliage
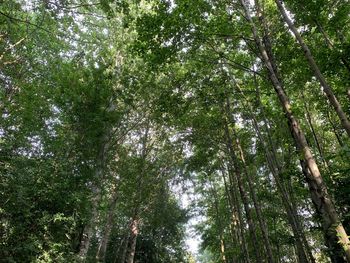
x,y
118,111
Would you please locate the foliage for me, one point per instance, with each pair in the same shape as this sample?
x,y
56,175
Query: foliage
x,y
114,112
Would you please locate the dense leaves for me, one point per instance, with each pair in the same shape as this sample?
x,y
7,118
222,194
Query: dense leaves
x,y
126,125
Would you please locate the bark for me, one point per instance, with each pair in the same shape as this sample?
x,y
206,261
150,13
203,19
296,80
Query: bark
x,y
134,225
219,224
278,256
101,159
222,250
251,188
303,248
255,201
89,227
234,225
243,194
313,65
309,121
234,217
240,217
301,243
330,44
124,246
96,192
318,190
304,251
334,250
101,252
132,240
334,128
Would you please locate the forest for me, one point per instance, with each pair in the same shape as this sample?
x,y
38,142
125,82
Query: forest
x,y
175,131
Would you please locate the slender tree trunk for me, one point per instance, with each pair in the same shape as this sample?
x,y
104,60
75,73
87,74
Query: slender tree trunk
x,y
101,252
134,226
278,256
89,227
334,250
309,121
234,225
334,128
132,240
96,192
251,187
222,250
101,160
330,44
124,245
313,65
256,204
96,196
273,164
304,250
234,217
318,190
243,194
240,216
219,224
292,217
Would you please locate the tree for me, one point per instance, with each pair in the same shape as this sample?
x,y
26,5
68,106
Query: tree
x,y
122,120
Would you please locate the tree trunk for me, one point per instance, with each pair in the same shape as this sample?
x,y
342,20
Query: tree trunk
x,y
101,252
309,121
89,227
330,44
292,217
255,201
219,224
222,250
96,196
334,250
134,226
132,240
334,128
318,190
124,245
240,217
271,158
313,65
101,159
234,224
243,194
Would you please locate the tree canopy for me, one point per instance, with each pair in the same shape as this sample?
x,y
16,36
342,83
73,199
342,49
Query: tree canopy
x,y
128,128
